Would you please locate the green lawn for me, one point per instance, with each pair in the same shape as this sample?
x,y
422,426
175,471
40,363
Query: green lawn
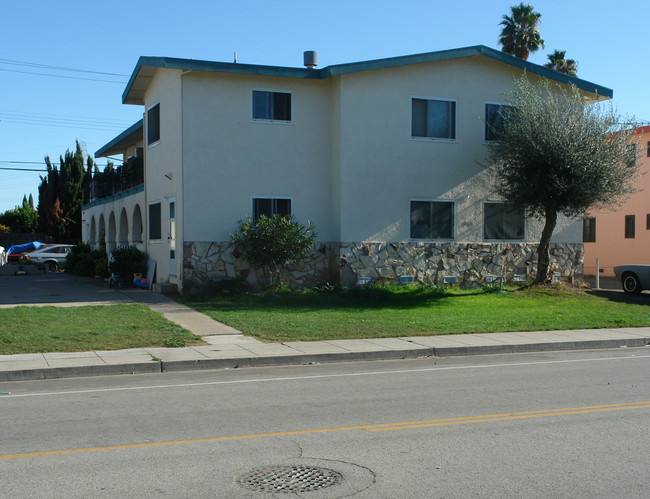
x,y
69,329
408,311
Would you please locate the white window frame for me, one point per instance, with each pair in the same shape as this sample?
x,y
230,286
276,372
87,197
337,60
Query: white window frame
x,y
272,90
253,198
153,144
491,201
433,139
435,200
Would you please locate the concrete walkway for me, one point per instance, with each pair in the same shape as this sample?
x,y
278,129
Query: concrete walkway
x,y
228,348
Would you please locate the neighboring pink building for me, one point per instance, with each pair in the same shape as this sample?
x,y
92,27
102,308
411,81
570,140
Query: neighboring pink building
x,y
622,236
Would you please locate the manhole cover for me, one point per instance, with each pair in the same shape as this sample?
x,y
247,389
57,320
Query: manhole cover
x,y
288,479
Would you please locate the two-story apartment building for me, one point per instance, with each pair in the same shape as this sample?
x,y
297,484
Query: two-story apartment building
x,y
387,158
621,235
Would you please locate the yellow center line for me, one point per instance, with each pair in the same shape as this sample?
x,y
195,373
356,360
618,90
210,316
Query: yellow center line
x,y
371,428
504,417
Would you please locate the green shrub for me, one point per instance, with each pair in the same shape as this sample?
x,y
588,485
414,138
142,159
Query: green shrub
x,y
78,253
126,262
86,262
270,244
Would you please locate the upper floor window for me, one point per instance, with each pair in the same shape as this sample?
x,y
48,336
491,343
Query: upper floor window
x,y
493,120
503,221
271,106
271,207
589,230
153,124
435,119
432,219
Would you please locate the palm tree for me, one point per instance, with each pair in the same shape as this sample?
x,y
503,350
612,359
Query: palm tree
x,y
557,62
520,33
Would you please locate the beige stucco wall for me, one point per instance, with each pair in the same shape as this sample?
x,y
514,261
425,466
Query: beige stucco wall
x,y
229,158
612,247
163,171
382,167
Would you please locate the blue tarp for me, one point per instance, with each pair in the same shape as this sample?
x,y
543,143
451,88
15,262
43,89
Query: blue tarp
x,y
19,248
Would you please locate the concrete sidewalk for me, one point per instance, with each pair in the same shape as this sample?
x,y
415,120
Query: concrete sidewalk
x,y
236,350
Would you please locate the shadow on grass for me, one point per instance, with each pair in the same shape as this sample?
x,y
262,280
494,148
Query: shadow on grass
x,y
402,298
620,297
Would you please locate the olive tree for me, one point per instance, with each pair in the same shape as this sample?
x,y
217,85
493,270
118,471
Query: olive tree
x,y
271,243
558,154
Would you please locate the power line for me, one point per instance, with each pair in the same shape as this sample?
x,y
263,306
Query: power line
x,y
56,68
21,169
62,76
28,114
62,125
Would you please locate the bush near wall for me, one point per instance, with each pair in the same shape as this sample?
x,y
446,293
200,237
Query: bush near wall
x,y
127,261
86,262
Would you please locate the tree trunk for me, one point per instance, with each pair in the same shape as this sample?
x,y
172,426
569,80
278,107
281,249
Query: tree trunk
x,y
543,260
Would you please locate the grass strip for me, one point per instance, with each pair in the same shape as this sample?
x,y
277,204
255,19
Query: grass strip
x,y
409,311
27,329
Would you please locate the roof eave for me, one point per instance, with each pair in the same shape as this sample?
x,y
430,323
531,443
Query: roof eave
x,y
128,137
146,66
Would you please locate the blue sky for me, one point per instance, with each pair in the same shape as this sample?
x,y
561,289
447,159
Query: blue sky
x,y
44,115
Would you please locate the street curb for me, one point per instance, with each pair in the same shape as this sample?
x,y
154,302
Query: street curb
x,y
305,359
80,371
294,360
541,347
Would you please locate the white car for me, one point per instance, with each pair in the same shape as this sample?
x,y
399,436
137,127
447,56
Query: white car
x,y
51,257
634,278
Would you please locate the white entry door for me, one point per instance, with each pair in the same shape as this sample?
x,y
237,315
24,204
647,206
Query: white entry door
x,y
172,236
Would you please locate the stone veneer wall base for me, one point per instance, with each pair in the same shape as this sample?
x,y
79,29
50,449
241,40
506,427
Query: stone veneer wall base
x,y
206,263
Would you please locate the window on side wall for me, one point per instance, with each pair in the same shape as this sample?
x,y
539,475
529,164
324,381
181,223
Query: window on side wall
x,y
432,219
155,226
433,119
589,230
503,222
493,120
630,155
271,106
629,226
271,207
153,124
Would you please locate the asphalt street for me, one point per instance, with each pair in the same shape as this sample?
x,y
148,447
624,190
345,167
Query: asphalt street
x,y
564,424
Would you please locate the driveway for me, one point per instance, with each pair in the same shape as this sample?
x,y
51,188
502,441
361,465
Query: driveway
x,y
57,289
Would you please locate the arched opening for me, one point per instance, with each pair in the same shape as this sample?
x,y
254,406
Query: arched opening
x,y
112,232
136,234
93,233
123,239
101,233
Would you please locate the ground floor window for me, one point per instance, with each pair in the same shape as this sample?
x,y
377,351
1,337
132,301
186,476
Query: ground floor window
x,y
271,207
155,227
502,221
589,230
629,226
432,219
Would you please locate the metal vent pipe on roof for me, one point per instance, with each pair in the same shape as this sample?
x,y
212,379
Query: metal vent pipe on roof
x,y
310,58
